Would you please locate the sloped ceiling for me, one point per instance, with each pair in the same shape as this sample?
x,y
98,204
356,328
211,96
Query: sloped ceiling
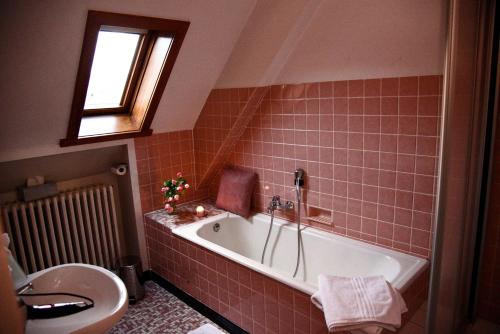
x,y
362,39
41,43
321,40
265,34
230,43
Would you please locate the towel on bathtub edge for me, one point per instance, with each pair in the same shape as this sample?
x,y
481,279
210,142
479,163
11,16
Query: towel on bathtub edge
x,y
359,304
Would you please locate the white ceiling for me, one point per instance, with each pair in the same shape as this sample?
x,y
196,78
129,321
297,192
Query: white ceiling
x,y
337,40
229,44
264,35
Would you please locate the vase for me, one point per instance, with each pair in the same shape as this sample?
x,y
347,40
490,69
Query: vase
x,y
174,211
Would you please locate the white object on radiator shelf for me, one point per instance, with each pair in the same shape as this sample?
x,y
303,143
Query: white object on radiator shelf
x,y
359,304
36,188
35,181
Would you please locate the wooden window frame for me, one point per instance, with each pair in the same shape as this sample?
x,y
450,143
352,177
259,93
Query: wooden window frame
x,y
128,122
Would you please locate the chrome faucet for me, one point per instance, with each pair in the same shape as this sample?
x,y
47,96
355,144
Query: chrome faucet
x,y
275,203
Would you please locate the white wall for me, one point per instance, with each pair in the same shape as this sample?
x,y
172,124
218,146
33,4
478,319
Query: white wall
x,y
343,39
41,44
370,39
260,42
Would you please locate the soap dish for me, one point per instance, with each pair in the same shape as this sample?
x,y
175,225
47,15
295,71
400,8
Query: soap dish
x,y
319,215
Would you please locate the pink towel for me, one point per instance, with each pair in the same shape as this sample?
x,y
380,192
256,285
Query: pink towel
x,y
359,304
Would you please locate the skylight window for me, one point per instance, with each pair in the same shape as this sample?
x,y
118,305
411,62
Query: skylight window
x,y
112,65
125,65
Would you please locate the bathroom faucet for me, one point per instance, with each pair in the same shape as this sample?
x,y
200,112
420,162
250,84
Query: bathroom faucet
x,y
275,203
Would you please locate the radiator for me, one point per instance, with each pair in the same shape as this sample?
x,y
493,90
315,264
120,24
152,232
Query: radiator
x,y
74,226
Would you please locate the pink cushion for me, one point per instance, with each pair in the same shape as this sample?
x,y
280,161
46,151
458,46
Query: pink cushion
x,y
235,190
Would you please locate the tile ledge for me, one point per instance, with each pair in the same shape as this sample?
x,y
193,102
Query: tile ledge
x,y
185,214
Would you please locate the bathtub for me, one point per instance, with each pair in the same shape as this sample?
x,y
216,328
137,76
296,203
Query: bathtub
x,y
242,241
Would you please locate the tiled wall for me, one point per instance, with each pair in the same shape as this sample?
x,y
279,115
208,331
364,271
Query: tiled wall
x,y
219,114
160,157
489,292
223,120
251,300
369,148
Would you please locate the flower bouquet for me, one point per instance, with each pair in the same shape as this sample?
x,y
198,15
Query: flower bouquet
x,y
172,190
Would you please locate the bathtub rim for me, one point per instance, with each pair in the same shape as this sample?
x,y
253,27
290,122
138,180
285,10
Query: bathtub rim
x,y
189,232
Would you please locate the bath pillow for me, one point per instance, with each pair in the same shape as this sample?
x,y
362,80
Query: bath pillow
x,y
235,190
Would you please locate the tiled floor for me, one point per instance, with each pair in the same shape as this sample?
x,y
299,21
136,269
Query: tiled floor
x,y
159,312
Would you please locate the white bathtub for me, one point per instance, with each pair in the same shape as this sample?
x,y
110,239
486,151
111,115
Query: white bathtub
x,y
242,241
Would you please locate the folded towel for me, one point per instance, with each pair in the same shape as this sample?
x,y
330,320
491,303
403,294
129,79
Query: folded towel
x,y
206,329
359,304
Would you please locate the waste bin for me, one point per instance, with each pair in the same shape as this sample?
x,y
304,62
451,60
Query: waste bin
x,y
130,271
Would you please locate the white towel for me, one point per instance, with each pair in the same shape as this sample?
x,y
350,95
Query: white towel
x,y
359,304
206,329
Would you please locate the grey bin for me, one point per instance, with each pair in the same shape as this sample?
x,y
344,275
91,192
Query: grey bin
x,y
130,271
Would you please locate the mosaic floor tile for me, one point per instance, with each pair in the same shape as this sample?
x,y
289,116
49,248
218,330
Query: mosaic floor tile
x,y
159,312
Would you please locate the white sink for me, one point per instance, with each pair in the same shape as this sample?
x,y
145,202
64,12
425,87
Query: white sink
x,y
105,288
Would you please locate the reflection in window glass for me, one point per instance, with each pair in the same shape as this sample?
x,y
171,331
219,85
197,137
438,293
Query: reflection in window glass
x,y
113,58
153,70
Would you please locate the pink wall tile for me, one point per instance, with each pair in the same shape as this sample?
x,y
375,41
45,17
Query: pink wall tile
x,y
160,157
325,89
429,85
408,105
390,86
408,86
372,87
340,89
355,88
389,106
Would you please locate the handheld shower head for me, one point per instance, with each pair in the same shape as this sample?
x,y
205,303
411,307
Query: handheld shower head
x,y
299,177
299,182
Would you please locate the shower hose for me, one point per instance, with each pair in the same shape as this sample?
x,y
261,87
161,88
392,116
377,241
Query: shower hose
x,y
299,236
267,239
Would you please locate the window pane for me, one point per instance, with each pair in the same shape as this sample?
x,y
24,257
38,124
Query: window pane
x,y
113,57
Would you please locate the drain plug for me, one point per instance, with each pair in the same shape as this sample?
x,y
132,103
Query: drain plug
x,y
216,227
